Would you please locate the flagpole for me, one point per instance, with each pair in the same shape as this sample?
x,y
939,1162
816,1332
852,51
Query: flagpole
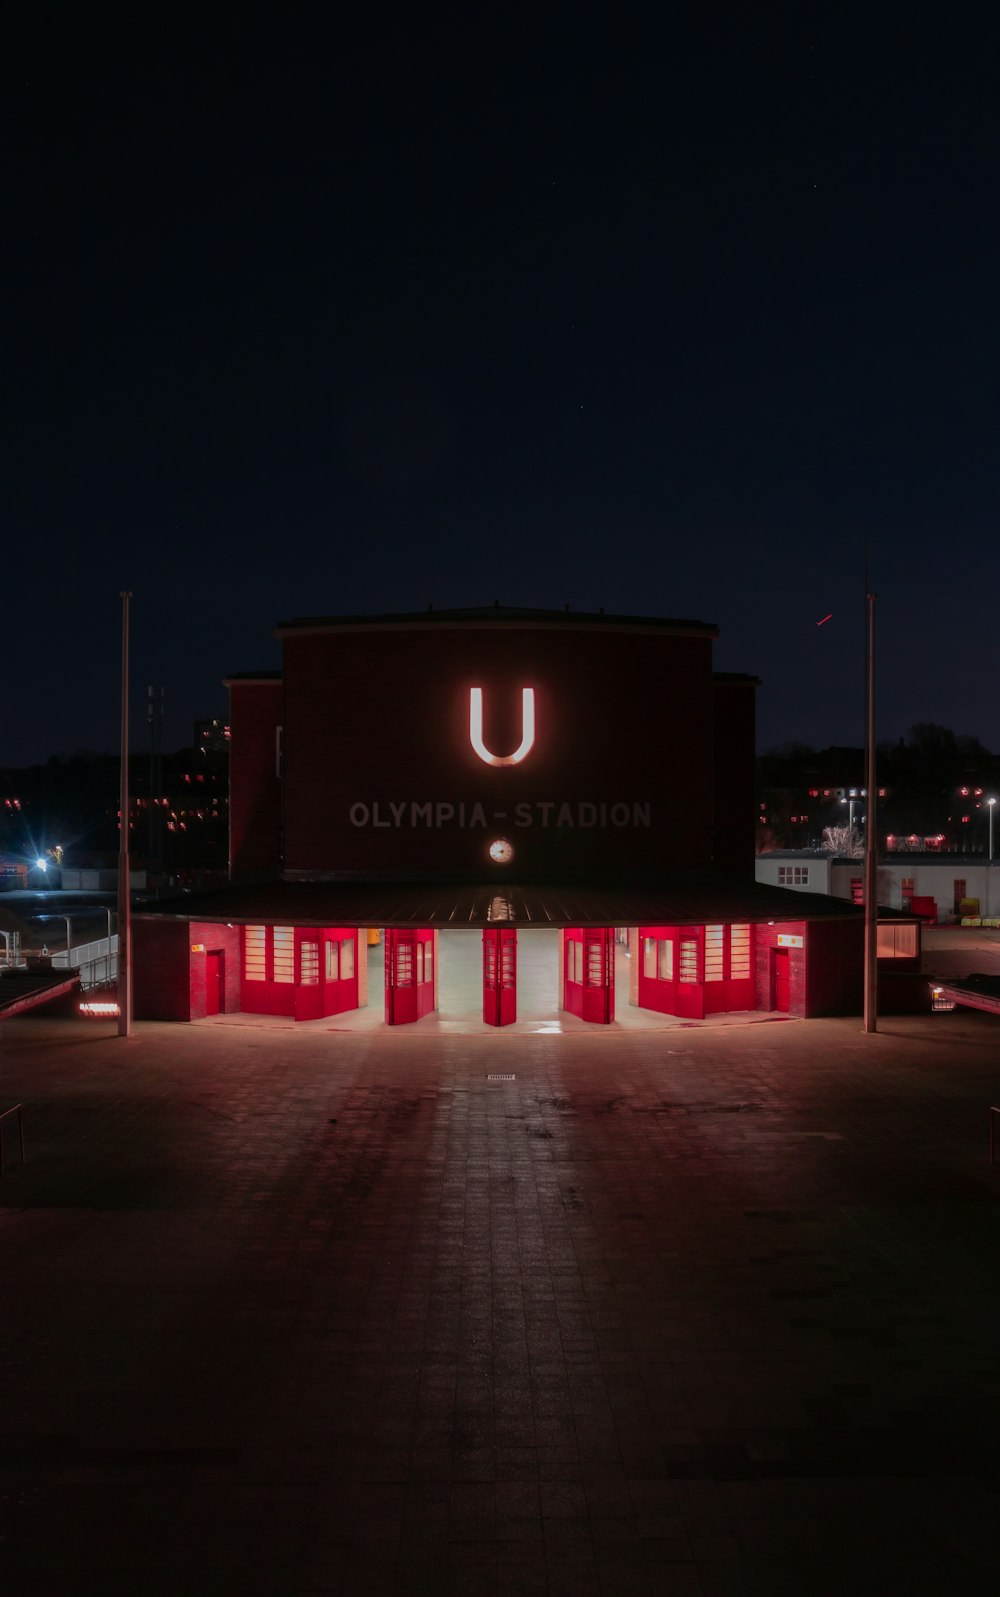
x,y
871,828
124,895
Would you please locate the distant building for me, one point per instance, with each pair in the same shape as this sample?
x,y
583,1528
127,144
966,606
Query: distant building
x,y
939,887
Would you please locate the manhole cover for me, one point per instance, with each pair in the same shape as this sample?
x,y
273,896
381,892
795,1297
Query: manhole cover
x,y
501,1078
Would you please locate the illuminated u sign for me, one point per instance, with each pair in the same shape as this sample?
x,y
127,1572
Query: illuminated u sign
x,y
527,728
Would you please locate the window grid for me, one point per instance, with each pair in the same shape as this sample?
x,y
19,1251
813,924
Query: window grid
x,y
689,960
739,952
284,954
507,966
255,954
714,953
309,964
595,965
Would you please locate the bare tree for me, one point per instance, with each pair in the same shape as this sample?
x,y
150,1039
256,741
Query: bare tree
x,y
843,840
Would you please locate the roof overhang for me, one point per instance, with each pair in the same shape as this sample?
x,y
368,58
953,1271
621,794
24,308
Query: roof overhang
x,y
678,901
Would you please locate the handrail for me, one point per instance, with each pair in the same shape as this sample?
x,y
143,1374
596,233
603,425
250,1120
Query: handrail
x,y
15,1109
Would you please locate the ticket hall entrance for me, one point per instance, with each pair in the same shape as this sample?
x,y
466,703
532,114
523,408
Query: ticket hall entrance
x,y
506,977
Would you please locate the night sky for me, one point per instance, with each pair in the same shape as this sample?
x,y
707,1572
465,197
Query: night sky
x,y
659,309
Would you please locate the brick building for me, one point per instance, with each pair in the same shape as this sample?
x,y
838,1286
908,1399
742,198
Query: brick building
x,y
499,771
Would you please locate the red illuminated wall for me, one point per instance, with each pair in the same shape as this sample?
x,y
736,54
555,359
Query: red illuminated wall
x,y
825,975
227,940
254,786
378,715
765,940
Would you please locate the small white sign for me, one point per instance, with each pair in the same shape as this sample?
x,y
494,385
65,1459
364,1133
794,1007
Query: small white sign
x,y
785,940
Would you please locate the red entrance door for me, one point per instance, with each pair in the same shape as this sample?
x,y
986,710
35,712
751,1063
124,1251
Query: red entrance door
x,y
409,975
589,973
781,981
214,1004
499,975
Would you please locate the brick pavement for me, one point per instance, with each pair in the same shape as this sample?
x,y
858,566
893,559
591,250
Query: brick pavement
x,y
710,1312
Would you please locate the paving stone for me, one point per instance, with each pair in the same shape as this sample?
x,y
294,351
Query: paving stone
x,y
708,1312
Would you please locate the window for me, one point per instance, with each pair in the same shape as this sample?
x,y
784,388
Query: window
x,y
896,942
255,953
658,958
857,889
689,960
595,964
714,952
793,875
507,966
309,964
340,959
739,952
425,962
907,889
284,954
574,961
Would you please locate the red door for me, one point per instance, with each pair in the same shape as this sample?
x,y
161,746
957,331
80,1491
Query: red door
x,y
781,981
214,1003
589,973
409,975
499,975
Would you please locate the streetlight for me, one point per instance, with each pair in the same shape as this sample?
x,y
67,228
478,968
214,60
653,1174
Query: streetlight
x,y
856,794
991,805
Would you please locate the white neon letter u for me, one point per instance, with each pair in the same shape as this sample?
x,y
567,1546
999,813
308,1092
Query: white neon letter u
x,y
527,728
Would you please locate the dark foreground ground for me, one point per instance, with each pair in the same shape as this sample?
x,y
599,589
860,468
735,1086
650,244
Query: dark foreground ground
x,y
702,1312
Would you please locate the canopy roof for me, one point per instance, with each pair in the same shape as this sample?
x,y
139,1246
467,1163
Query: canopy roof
x,y
677,901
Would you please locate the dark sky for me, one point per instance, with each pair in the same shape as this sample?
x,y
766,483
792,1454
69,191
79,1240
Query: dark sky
x,y
661,309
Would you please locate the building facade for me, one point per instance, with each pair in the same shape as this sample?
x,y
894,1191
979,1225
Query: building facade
x,y
938,887
500,771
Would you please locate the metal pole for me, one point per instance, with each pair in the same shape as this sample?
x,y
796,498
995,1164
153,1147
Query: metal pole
x,y
991,805
871,831
124,900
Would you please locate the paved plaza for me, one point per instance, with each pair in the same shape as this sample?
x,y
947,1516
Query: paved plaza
x,y
707,1311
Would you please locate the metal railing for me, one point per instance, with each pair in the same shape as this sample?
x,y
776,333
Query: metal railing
x,y
97,962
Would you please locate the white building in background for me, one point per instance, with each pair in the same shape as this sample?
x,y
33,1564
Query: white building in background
x,y
959,886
